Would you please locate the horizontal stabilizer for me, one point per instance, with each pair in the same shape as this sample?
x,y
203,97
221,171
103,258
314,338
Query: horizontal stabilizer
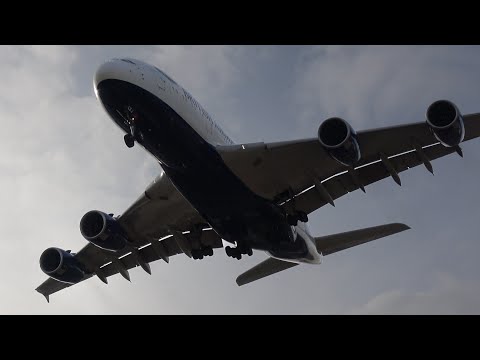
x,y
326,245
265,268
333,243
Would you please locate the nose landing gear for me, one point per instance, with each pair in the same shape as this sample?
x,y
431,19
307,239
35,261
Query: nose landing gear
x,y
129,140
135,134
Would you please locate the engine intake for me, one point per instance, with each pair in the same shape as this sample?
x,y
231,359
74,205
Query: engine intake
x,y
446,122
61,265
103,231
339,139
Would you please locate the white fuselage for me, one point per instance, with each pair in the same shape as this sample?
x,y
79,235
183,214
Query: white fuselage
x,y
156,82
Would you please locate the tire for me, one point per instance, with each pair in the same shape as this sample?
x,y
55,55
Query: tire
x,y
303,217
292,220
129,141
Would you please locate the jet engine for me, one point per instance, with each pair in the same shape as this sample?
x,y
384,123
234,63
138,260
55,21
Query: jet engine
x,y
446,122
103,231
339,139
61,265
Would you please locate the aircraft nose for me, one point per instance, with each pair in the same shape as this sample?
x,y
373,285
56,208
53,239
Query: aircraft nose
x,y
119,69
107,70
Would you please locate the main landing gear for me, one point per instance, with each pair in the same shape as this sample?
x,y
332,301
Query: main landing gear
x,y
198,254
237,252
293,219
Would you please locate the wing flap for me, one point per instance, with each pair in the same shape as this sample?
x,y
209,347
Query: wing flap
x,y
148,254
343,183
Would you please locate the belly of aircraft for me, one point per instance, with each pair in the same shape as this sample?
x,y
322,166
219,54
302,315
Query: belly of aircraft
x,y
196,169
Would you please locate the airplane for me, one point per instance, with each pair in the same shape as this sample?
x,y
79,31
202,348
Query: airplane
x,y
256,196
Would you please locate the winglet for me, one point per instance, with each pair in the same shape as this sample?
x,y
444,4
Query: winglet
x,y
459,151
46,295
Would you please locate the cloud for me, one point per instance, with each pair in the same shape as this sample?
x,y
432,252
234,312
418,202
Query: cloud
x,y
447,294
61,156
383,85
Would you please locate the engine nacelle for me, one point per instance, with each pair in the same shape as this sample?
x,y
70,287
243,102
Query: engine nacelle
x,y
339,139
446,122
61,265
103,231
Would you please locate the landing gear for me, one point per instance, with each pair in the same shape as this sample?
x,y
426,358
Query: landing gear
x,y
135,134
293,219
237,252
303,217
198,254
129,140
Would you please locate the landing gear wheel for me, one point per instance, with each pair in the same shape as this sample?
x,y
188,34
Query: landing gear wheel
x,y
303,217
233,252
129,140
197,254
250,252
207,251
292,220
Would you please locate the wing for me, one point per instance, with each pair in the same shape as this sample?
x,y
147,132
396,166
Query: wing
x,y
301,174
149,222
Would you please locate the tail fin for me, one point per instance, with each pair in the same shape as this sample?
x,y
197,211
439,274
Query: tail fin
x,y
337,242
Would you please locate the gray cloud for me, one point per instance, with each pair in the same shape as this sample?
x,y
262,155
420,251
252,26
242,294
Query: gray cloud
x,y
447,295
61,156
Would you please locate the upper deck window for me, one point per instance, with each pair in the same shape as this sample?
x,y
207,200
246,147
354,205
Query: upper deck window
x,y
128,61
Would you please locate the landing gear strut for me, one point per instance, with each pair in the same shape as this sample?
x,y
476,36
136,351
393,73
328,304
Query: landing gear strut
x,y
237,252
293,219
134,134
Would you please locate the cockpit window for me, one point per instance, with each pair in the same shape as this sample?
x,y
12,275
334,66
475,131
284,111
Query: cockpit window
x,y
168,77
128,61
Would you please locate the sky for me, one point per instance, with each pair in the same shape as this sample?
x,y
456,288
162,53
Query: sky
x,y
61,156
